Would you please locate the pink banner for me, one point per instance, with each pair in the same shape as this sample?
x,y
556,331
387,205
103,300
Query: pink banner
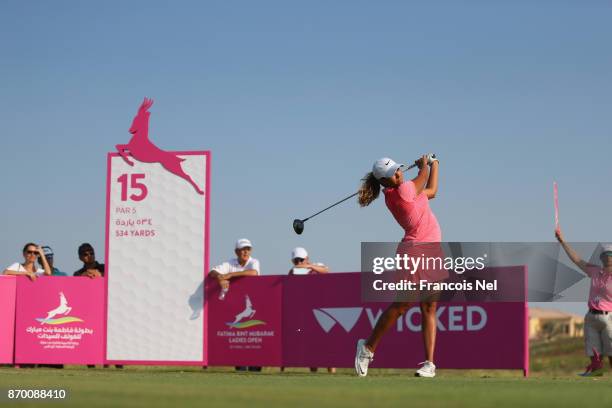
x,y
59,320
303,321
323,317
245,328
7,318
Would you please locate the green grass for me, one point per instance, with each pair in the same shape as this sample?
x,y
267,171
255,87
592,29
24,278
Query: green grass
x,y
162,387
559,356
554,383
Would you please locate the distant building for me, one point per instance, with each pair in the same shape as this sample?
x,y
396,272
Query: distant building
x,y
546,324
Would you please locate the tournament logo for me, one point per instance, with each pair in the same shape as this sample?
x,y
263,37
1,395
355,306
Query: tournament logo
x,y
141,148
247,313
62,309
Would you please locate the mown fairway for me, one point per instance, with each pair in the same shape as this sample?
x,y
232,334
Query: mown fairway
x,y
553,383
162,387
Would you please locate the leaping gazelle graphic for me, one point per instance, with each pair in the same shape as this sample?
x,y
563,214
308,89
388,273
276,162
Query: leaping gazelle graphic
x,y
142,149
247,312
63,308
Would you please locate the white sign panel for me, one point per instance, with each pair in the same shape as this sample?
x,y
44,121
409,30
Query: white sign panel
x,y
157,243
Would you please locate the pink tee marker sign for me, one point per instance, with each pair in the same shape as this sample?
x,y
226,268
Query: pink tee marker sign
x,y
7,318
60,320
157,213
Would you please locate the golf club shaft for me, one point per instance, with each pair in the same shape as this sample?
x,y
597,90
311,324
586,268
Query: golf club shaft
x,y
351,196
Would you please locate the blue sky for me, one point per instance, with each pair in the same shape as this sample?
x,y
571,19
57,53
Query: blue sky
x,y
296,100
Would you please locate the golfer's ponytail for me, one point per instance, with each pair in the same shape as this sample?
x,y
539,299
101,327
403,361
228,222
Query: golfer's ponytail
x,y
369,191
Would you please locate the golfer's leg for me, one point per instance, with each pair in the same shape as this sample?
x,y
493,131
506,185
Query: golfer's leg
x,y
428,328
592,336
607,338
388,319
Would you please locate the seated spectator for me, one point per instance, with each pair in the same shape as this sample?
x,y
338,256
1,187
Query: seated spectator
x,y
302,264
242,265
28,268
91,268
49,255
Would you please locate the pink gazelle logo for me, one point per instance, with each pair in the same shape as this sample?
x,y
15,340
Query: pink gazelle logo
x,y
141,148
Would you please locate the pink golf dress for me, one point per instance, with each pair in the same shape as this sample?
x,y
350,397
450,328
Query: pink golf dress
x,y
422,234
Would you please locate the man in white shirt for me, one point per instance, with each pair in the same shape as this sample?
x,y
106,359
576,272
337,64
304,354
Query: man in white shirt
x,y
242,265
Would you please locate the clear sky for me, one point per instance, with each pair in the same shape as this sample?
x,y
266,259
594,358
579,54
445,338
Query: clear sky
x,y
296,100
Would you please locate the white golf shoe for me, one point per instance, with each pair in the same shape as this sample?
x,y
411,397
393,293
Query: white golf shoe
x,y
427,370
363,357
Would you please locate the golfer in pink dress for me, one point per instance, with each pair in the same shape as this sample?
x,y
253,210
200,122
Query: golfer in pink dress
x,y
408,202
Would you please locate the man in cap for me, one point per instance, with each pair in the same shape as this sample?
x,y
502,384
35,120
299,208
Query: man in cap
x,y
49,255
598,320
242,265
302,264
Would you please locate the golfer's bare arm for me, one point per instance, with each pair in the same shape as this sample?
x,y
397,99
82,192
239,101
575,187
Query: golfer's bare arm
x,y
420,181
431,189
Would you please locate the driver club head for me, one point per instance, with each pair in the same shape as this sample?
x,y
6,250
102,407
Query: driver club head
x,y
298,226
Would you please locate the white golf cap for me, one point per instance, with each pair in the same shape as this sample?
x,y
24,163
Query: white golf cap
x,y
385,168
299,252
606,249
243,243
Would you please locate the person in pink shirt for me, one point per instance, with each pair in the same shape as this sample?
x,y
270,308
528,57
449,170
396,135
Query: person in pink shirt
x,y
408,202
598,320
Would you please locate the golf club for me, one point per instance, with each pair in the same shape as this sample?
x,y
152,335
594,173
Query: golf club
x,y
298,225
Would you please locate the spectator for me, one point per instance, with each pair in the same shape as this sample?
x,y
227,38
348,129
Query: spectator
x,y
54,272
49,255
302,265
598,320
28,268
91,268
242,265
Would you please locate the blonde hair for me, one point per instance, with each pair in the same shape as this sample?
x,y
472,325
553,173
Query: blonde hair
x,y
369,190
